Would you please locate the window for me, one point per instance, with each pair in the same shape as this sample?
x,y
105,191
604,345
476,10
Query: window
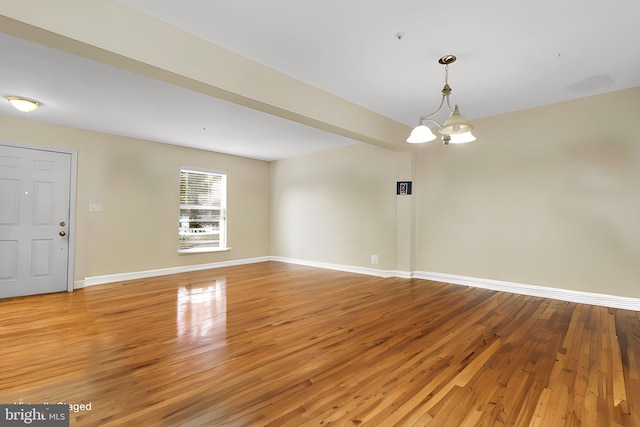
x,y
203,202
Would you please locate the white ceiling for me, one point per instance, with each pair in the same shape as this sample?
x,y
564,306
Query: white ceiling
x,y
81,93
511,56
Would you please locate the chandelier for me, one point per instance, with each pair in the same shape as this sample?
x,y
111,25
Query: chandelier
x,y
455,130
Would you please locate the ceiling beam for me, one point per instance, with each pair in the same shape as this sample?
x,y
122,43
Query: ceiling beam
x,y
111,33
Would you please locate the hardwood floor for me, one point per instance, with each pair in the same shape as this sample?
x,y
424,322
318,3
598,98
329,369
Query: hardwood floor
x,y
273,344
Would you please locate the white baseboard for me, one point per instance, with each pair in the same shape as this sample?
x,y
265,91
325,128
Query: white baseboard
x,y
580,297
347,268
120,277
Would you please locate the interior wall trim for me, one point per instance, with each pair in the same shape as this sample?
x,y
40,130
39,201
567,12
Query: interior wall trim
x,y
346,268
122,277
613,301
580,297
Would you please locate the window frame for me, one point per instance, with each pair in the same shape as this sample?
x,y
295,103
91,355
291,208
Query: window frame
x,y
222,220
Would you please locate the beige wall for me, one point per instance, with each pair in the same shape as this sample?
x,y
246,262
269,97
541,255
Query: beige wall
x,y
336,206
137,182
548,196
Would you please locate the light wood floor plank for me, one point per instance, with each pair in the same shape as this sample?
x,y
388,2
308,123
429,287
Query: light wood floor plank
x,y
273,344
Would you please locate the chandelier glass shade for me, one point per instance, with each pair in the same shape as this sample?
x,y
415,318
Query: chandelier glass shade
x,y
456,129
421,133
461,138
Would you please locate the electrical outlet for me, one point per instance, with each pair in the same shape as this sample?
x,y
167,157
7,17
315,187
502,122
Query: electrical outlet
x,y
374,259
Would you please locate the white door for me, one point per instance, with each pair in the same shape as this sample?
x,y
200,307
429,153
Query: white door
x,y
34,221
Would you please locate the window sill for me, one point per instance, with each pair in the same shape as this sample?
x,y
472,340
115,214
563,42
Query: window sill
x,y
201,250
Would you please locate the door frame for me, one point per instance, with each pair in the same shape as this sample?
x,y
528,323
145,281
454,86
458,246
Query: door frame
x,y
72,201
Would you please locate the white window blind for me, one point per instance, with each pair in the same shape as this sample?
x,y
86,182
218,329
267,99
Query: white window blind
x,y
203,203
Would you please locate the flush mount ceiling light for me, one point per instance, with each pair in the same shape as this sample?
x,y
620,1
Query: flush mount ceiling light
x,y
456,129
25,105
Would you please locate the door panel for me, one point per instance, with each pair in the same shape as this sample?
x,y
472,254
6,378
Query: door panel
x,y
8,260
34,201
